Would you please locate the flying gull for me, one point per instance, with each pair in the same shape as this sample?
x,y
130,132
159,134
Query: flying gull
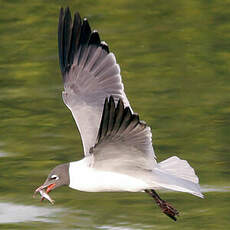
x,y
118,152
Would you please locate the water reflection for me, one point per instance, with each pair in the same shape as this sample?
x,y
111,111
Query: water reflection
x,y
3,154
109,227
211,188
15,213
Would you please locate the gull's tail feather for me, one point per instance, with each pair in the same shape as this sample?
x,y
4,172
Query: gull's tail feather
x,y
176,174
179,168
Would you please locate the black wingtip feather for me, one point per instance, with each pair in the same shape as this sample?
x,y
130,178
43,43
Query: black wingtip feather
x,y
72,36
94,39
103,120
118,116
104,46
111,115
116,119
85,32
76,31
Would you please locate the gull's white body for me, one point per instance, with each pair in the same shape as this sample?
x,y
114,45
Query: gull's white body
x,y
93,180
173,173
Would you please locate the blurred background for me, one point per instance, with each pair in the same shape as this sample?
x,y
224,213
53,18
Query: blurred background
x,y
175,63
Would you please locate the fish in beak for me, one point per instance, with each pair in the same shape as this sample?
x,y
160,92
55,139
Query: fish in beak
x,y
59,176
44,190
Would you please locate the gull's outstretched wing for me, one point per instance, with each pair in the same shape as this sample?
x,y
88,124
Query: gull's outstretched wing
x,y
90,74
124,146
124,143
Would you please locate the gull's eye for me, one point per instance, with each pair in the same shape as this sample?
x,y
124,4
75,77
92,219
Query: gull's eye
x,y
54,177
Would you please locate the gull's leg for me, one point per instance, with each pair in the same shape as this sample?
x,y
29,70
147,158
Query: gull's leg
x,y
165,206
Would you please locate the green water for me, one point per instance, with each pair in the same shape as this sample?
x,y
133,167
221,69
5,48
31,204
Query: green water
x,y
175,63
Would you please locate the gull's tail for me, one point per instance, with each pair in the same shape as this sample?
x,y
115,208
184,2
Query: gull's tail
x,y
176,174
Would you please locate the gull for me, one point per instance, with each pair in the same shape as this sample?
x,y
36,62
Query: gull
x,y
118,151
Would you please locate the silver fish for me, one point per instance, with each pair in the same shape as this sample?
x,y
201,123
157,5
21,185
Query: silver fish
x,y
45,195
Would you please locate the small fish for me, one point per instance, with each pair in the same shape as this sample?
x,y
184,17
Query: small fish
x,y
45,195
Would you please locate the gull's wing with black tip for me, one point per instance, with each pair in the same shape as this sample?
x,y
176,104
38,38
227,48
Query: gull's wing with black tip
x,y
124,146
90,74
124,143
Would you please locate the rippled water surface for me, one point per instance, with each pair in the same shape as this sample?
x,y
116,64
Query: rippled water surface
x,y
175,62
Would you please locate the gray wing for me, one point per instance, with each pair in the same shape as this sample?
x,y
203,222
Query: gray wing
x,y
90,74
124,143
